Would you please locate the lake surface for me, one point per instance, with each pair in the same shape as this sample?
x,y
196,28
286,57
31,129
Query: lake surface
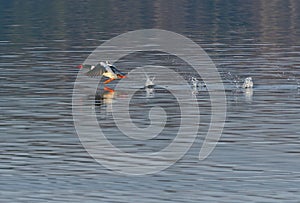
x,y
257,156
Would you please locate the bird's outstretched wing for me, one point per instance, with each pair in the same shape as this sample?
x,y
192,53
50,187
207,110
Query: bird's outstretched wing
x,y
97,70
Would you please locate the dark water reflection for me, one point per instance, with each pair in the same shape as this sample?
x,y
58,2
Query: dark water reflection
x,y
257,158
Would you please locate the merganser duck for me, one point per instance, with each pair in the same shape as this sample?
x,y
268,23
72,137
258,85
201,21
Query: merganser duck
x,y
103,68
248,83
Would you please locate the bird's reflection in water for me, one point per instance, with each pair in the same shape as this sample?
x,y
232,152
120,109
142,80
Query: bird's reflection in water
x,y
248,94
105,99
150,93
197,90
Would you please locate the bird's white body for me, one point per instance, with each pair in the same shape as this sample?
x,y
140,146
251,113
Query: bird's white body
x,y
248,83
108,73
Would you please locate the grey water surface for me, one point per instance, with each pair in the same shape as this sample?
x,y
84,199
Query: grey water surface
x,y
257,157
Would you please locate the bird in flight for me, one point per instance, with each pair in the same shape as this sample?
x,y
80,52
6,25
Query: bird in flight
x,y
103,69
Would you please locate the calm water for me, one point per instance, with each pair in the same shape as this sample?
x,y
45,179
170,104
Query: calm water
x,y
257,158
